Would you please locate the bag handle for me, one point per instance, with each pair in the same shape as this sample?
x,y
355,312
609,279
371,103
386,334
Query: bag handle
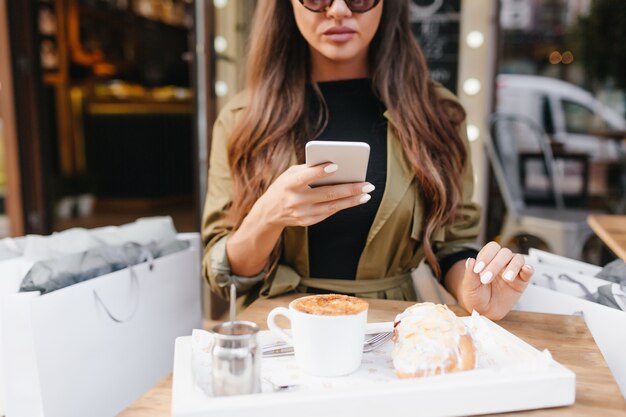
x,y
145,255
134,281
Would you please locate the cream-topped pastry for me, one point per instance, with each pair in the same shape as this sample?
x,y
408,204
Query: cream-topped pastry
x,y
430,340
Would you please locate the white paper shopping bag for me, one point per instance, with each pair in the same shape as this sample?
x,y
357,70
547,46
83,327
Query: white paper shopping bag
x,y
92,348
11,273
607,325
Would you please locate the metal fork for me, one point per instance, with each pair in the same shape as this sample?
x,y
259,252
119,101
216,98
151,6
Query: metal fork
x,y
376,341
270,347
274,350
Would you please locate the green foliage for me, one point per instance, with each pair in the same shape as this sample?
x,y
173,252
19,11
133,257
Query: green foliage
x,y
601,41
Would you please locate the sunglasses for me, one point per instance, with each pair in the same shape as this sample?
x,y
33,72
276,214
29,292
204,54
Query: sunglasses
x,y
355,6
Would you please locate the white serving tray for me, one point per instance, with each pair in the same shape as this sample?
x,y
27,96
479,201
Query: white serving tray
x,y
512,376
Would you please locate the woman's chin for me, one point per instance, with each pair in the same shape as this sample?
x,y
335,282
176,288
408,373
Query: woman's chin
x,y
340,53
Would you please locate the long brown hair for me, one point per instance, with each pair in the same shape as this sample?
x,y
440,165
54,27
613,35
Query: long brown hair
x,y
276,119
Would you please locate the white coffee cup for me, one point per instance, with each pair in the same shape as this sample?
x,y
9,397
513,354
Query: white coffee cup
x,y
324,345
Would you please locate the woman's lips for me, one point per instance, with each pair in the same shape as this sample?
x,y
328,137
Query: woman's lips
x,y
340,35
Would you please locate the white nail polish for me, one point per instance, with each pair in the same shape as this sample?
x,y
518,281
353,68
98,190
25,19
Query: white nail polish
x,y
368,188
486,277
365,198
331,168
467,262
479,267
508,275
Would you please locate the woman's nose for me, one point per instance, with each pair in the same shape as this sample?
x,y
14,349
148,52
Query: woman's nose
x,y
338,9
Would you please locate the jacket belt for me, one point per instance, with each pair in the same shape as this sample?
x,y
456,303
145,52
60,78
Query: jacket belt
x,y
355,286
286,280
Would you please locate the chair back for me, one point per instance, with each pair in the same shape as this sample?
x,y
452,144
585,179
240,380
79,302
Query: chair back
x,y
506,133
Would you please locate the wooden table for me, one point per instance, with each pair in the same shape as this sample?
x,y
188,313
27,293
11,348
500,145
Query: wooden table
x,y
567,338
612,230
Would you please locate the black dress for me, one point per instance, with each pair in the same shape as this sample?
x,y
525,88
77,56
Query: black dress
x,y
354,114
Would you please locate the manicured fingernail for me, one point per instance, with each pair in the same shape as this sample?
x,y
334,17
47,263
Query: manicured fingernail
x,y
479,267
508,275
467,262
486,277
365,198
368,188
529,268
331,168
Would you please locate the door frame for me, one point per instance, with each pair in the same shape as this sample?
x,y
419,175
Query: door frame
x,y
205,115
33,158
13,197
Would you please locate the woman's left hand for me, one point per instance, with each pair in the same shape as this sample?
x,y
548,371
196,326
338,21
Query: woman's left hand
x,y
494,281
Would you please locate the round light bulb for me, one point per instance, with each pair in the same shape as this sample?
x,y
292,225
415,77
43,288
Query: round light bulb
x,y
221,88
473,132
220,44
567,57
471,86
555,57
220,4
475,39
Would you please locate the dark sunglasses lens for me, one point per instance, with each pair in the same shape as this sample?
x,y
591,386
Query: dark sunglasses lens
x,y
316,5
361,5
357,6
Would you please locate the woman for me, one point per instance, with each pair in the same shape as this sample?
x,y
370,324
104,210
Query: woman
x,y
346,70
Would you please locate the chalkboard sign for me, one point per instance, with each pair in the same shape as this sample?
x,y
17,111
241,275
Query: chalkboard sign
x,y
436,25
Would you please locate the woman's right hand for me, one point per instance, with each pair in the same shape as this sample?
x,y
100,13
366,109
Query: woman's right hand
x,y
290,201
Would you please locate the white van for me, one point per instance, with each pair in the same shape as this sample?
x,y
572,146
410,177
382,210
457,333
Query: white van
x,y
567,112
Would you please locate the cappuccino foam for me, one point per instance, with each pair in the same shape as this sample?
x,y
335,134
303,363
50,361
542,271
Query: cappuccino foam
x,y
330,305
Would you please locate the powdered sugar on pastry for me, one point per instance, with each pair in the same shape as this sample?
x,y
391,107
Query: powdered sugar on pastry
x,y
429,340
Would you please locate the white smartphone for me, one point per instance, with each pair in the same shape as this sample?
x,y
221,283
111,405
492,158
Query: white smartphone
x,y
351,157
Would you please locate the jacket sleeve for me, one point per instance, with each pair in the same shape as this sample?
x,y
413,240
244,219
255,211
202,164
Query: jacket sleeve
x,y
216,226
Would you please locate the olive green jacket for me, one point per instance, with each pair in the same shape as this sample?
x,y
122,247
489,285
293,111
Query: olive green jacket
x,y
393,246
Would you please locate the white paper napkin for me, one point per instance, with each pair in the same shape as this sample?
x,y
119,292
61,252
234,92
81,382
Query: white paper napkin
x,y
201,359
